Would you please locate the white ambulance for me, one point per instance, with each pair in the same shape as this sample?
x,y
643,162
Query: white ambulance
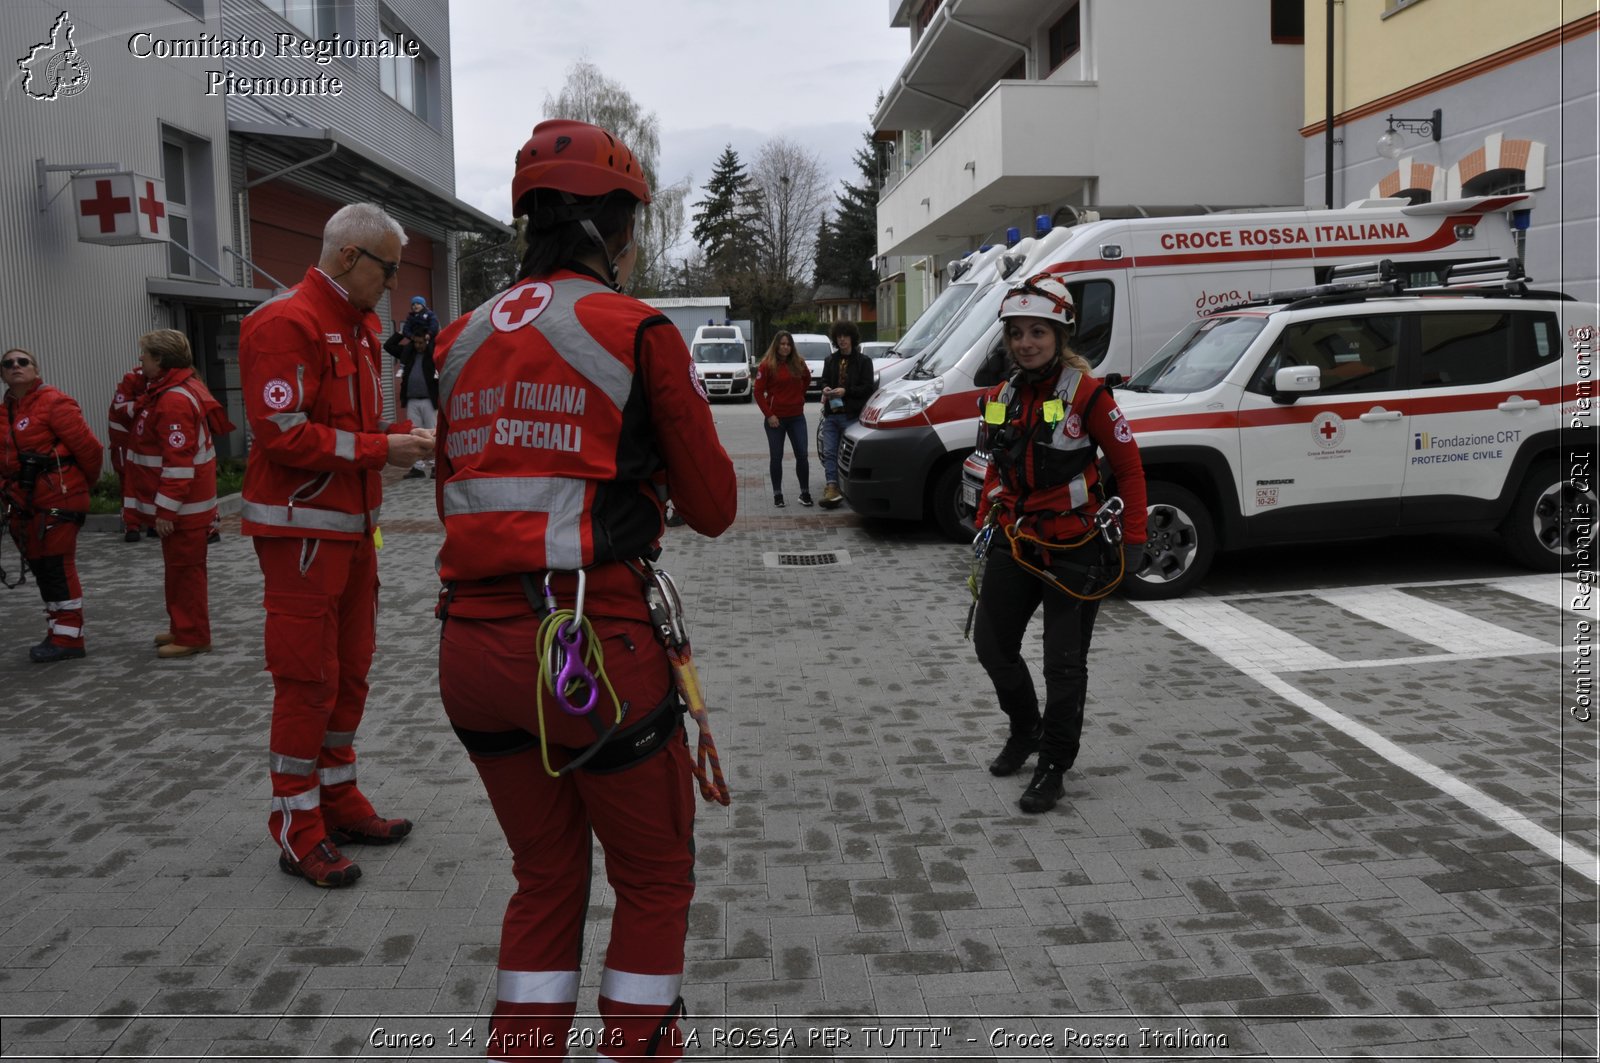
x,y
1136,282
723,362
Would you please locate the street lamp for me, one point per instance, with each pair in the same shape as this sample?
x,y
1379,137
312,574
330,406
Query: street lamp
x,y
1392,140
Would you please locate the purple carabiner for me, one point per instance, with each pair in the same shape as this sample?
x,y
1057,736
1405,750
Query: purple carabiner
x,y
574,677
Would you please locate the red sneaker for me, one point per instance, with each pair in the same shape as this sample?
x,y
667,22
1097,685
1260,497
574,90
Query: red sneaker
x,y
323,866
374,830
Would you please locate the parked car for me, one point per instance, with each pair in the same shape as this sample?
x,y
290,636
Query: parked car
x,y
814,347
722,359
1347,415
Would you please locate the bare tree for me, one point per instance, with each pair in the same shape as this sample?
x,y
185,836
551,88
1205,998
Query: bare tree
x,y
589,96
791,192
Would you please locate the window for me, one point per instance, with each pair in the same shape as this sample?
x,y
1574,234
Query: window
x,y
405,80
1094,301
314,18
1355,354
195,8
186,167
1064,38
1459,348
1288,22
175,171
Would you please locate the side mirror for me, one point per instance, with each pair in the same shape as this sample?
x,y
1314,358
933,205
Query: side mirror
x,y
1292,381
992,370
1115,380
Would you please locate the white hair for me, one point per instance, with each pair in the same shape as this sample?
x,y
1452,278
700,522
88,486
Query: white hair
x,y
359,224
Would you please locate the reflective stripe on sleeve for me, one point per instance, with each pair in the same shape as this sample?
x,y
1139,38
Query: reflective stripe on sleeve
x,y
305,802
344,445
284,764
538,987
163,502
151,460
627,988
560,499
286,421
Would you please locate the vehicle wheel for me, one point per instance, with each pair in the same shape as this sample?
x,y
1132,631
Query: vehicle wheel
x,y
1182,542
944,502
1543,526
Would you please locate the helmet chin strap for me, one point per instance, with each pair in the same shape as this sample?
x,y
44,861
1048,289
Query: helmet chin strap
x,y
605,253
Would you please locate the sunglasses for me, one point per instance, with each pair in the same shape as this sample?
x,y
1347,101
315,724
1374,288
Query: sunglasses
x,y
15,363
389,268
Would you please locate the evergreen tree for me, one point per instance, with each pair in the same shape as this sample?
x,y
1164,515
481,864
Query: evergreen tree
x,y
722,221
848,241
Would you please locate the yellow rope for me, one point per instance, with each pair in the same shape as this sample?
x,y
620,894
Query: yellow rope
x,y
1016,537
594,658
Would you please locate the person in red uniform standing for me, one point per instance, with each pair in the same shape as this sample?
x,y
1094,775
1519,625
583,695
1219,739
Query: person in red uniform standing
x,y
568,413
312,489
48,459
1040,501
119,420
172,469
780,388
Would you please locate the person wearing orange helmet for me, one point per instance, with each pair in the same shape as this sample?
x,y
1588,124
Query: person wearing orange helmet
x,y
1055,541
568,414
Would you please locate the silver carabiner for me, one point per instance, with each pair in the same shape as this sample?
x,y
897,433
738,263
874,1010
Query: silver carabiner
x,y
1108,518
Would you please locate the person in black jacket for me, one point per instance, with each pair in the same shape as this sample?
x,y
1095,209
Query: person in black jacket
x,y
416,377
847,384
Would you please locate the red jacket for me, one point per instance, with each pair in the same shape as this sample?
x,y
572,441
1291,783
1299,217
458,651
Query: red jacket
x,y
1060,508
562,406
119,418
780,395
171,469
48,421
308,362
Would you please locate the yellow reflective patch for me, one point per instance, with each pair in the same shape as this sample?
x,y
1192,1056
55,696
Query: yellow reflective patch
x,y
377,538
1054,411
994,413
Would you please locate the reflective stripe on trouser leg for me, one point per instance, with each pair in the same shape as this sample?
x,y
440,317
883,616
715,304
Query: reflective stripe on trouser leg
x,y
342,800
644,818
183,552
532,1015
61,594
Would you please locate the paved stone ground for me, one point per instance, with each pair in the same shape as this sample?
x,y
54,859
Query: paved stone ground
x,y
1228,877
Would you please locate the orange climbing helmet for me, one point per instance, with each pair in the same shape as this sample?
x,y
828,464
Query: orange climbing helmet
x,y
579,159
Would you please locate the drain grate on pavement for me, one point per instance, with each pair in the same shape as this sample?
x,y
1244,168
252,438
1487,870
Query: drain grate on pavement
x,y
809,559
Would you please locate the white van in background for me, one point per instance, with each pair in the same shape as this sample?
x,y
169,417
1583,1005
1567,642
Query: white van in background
x,y
1136,282
722,359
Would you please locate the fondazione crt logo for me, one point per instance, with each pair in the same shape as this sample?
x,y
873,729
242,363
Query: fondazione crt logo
x,y
54,69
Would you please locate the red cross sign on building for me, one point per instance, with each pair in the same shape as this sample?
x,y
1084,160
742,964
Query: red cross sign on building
x,y
120,208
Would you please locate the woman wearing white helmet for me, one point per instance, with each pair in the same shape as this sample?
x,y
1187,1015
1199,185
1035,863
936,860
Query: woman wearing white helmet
x,y
1046,503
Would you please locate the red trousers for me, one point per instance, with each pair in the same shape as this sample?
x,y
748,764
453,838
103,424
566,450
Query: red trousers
x,y
322,601
643,816
51,546
188,601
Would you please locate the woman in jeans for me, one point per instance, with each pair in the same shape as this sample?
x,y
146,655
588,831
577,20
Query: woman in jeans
x,y
781,382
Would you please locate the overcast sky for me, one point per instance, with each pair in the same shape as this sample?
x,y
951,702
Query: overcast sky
x,y
715,72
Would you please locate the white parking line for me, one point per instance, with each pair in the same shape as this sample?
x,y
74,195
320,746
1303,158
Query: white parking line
x,y
1550,588
1237,636
1430,622
1217,627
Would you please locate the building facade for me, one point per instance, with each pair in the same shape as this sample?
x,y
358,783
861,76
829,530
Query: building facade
x,y
260,123
1008,109
1514,87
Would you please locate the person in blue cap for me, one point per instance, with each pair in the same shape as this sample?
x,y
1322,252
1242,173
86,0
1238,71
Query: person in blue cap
x,y
416,378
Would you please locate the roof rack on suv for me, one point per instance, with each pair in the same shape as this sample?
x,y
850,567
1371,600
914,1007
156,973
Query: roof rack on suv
x,y
1500,277
1355,281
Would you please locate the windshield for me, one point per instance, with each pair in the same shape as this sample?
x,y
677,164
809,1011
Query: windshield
x,y
719,352
982,313
933,320
1199,356
814,350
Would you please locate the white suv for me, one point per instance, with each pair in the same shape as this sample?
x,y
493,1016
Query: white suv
x,y
1353,410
